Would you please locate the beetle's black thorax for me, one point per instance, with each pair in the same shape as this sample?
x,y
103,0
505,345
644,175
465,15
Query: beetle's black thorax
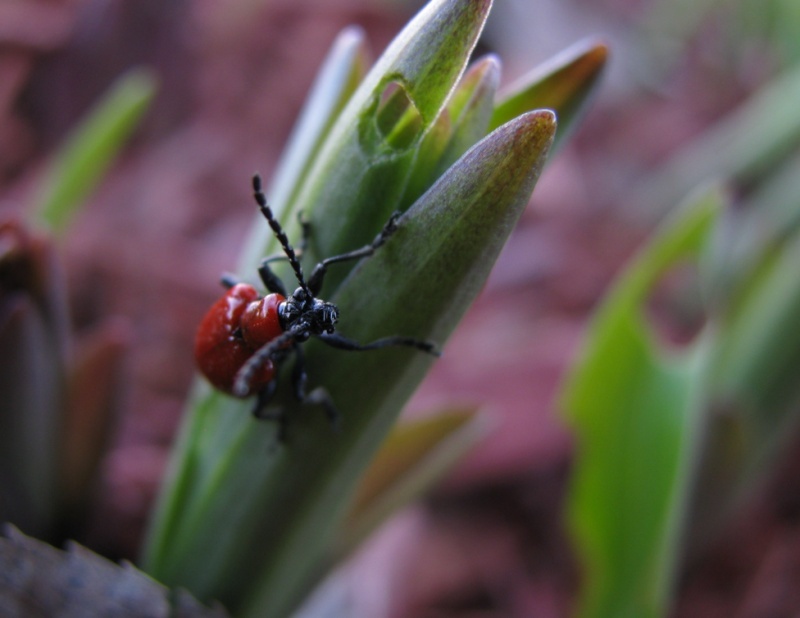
x,y
307,315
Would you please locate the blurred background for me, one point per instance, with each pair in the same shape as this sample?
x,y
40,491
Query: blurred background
x,y
147,250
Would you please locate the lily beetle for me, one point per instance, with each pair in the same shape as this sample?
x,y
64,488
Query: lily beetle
x,y
245,337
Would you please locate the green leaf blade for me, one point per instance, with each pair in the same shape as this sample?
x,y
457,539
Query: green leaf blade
x,y
752,381
636,409
466,217
463,122
358,178
414,455
258,561
83,161
565,84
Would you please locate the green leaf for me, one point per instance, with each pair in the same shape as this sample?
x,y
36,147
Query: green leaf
x,y
636,408
420,284
225,483
34,349
361,172
91,148
91,407
758,227
238,528
564,84
463,122
667,28
413,457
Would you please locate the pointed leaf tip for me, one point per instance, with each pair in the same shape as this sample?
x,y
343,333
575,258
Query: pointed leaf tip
x,y
526,139
433,50
564,84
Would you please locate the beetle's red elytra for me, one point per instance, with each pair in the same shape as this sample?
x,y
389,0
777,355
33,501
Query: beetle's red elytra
x,y
221,346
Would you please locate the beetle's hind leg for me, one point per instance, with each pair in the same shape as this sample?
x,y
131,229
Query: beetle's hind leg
x,y
319,396
262,412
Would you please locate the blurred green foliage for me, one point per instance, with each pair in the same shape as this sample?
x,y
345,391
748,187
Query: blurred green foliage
x,y
672,438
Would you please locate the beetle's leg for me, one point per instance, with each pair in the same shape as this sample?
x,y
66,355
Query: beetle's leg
x,y
267,393
318,274
271,281
343,343
319,396
264,396
272,351
228,280
262,413
299,374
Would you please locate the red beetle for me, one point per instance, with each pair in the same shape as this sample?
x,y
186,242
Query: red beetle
x,y
244,337
235,327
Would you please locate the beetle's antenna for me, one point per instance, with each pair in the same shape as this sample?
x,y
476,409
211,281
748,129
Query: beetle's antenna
x,y
261,200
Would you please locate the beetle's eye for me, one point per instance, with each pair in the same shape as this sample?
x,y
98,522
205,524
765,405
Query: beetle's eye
x,y
332,313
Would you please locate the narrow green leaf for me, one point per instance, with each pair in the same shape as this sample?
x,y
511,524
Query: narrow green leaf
x,y
411,460
337,79
415,455
358,170
419,284
90,150
91,406
463,122
471,107
242,531
34,348
564,84
666,29
431,50
757,228
636,409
